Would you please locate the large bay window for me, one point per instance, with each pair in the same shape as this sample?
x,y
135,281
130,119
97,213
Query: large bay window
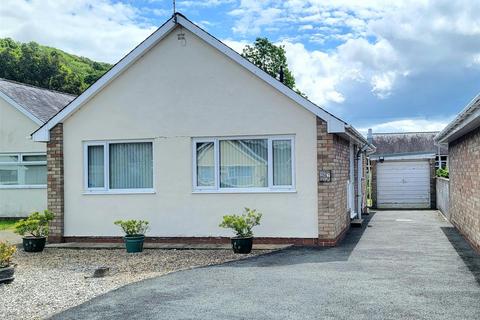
x,y
112,166
244,164
23,170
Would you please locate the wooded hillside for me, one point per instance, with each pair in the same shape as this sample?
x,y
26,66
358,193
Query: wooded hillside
x,y
48,67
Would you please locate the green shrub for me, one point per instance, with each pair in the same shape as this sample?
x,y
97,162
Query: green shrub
x,y
6,252
36,225
242,224
442,172
133,227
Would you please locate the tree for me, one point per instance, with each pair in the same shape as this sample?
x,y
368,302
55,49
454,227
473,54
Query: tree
x,y
271,59
48,67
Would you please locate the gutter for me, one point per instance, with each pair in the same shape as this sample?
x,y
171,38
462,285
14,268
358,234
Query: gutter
x,y
452,127
354,134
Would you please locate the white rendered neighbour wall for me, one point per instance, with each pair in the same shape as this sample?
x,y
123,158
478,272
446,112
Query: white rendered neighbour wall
x,y
15,129
173,93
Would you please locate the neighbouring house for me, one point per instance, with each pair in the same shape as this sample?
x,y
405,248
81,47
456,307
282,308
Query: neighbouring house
x,y
184,130
402,169
23,163
462,136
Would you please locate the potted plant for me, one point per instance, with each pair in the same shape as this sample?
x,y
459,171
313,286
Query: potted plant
x,y
134,234
6,268
242,225
34,230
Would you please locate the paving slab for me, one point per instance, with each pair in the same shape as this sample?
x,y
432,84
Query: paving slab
x,y
399,265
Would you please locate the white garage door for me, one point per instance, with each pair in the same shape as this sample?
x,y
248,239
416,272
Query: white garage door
x,y
403,184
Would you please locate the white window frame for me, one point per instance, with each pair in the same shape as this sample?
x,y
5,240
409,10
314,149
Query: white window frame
x,y
216,187
20,162
106,168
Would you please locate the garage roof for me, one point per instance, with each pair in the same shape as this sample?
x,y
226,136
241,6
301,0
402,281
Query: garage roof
x,y
412,144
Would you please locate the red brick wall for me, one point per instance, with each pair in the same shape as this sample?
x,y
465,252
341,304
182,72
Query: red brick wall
x,y
332,154
464,166
55,195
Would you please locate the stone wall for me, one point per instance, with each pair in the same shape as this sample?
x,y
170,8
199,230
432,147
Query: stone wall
x,y
464,166
332,154
55,176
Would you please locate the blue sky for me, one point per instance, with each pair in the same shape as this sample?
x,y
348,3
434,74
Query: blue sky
x,y
391,65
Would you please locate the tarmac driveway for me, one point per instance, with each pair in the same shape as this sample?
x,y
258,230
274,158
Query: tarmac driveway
x,y
404,265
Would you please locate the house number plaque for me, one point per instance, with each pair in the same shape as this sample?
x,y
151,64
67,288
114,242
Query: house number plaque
x,y
325,176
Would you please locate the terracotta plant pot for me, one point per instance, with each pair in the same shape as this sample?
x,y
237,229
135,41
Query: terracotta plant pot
x,y
242,245
6,274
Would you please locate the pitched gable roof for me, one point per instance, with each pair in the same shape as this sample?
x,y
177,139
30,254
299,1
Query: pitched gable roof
x,y
334,124
38,104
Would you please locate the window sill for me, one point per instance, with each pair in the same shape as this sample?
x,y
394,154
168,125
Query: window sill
x,y
126,191
23,186
286,190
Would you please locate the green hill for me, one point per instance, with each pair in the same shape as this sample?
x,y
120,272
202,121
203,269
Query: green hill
x,y
48,67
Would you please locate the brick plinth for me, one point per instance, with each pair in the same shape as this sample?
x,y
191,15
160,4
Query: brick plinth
x,y
464,167
55,176
332,154
218,240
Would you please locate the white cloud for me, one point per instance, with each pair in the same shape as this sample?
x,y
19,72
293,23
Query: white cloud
x,y
101,30
385,43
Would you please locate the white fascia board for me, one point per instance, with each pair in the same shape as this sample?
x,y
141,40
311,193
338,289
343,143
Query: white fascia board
x,y
404,157
461,121
464,125
20,108
334,125
113,73
359,139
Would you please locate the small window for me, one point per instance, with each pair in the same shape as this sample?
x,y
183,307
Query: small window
x,y
282,162
96,167
205,155
119,166
246,164
23,171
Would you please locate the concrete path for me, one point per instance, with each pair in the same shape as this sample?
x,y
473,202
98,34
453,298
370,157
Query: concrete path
x,y
10,236
404,265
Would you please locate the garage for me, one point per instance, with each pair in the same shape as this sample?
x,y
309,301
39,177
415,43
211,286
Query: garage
x,y
403,184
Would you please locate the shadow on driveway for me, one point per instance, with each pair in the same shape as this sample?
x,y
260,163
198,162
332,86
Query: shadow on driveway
x,y
464,250
296,255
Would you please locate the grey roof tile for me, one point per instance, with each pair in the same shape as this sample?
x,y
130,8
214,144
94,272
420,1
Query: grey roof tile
x,y
405,143
42,103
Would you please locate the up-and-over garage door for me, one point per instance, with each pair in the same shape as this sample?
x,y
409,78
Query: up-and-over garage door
x,y
403,184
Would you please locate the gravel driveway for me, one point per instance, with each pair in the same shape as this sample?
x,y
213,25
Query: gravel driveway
x,y
54,280
406,265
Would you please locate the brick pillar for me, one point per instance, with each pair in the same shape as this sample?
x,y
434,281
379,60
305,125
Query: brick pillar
x,y
373,183
333,155
55,193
